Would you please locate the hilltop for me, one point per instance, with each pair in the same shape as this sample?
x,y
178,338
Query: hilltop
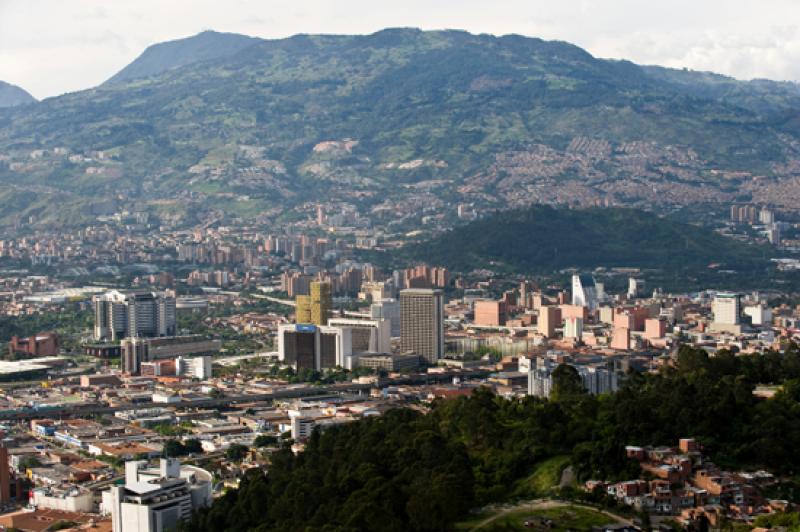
x,y
542,239
11,95
404,117
165,56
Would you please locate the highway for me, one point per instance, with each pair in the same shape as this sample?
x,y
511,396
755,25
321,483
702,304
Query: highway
x,y
318,392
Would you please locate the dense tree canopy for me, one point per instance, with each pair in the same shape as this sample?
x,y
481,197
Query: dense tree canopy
x,y
409,471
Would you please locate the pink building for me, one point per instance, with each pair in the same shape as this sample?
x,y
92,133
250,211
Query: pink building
x,y
549,319
655,328
490,313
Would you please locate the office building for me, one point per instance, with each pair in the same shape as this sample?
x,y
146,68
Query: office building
x,y
725,308
366,336
314,308
389,362
156,499
387,309
138,314
422,323
584,291
136,351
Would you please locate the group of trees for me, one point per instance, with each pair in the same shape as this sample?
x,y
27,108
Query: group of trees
x,y
411,471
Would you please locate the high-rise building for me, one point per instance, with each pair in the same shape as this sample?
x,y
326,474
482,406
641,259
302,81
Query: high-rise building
x,y
549,319
422,323
635,287
312,347
302,309
387,309
726,309
321,302
584,291
139,314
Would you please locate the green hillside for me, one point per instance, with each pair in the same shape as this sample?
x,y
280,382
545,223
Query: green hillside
x,y
543,239
499,120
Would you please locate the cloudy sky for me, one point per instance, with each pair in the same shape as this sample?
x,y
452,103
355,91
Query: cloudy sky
x,y
54,46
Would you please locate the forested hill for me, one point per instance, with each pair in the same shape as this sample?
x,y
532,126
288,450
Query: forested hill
x,y
545,239
410,471
244,126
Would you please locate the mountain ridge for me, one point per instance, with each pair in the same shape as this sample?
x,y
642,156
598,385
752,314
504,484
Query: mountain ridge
x,y
507,120
13,95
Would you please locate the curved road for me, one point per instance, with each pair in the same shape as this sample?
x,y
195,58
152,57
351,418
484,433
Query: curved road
x,y
543,504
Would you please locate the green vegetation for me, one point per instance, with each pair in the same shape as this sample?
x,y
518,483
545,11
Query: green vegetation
x,y
410,471
545,478
185,107
174,448
544,239
74,319
236,452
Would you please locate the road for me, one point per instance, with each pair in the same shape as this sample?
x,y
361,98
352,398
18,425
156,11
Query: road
x,y
544,504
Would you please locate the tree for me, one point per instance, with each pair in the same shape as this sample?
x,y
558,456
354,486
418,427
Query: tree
x,y
236,452
174,448
193,446
265,440
567,383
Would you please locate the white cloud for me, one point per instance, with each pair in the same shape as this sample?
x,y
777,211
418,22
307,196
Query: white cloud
x,y
51,46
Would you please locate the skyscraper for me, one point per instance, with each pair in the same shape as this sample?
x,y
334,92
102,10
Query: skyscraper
x,y
120,314
321,302
422,323
584,292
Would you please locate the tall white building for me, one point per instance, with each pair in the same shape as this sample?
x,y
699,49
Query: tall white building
x,y
584,291
156,499
140,314
726,309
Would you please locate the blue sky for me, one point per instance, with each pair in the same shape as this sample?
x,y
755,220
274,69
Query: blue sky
x,y
54,46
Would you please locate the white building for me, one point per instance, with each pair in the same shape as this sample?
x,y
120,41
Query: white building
x,y
155,499
584,291
573,328
73,499
726,310
194,367
759,314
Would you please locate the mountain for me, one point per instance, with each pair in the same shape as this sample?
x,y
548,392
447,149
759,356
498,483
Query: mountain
x,y
11,95
173,54
542,239
401,121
